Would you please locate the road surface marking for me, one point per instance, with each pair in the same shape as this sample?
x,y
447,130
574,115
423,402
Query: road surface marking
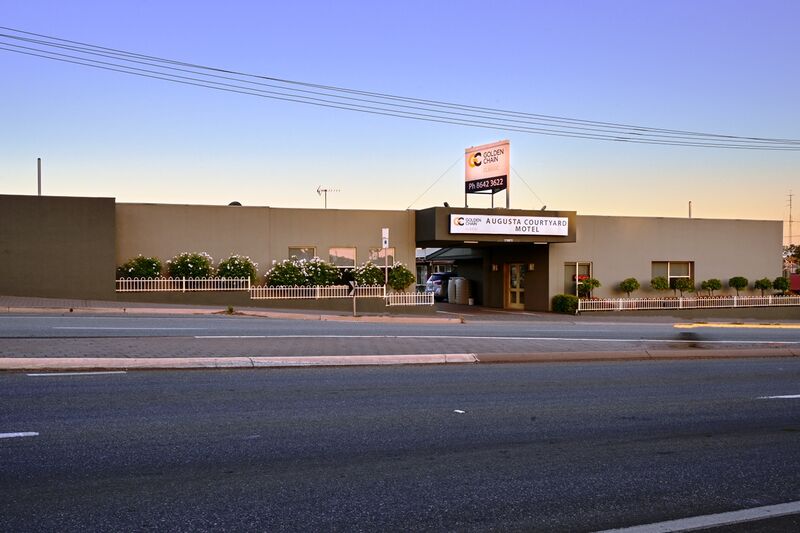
x,y
786,397
493,338
120,328
78,373
712,520
22,434
737,326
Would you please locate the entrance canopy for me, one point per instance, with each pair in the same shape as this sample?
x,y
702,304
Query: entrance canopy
x,y
456,226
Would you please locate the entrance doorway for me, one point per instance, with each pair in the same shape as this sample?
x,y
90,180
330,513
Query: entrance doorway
x,y
515,285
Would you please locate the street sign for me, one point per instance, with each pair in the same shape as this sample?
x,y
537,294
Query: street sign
x,y
385,234
352,289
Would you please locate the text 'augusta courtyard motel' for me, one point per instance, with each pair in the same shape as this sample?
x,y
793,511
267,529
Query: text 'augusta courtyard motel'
x,y
69,247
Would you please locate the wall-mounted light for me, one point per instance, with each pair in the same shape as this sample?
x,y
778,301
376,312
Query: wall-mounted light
x,y
494,268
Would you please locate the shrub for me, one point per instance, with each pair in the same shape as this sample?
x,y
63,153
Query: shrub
x,y
319,272
629,285
238,266
140,267
400,277
302,273
286,273
190,265
659,283
781,284
711,285
368,274
586,286
684,285
763,284
738,283
565,303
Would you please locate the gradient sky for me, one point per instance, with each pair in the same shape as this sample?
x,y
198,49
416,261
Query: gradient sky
x,y
714,66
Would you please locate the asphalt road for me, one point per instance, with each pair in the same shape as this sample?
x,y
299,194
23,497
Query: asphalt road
x,y
104,336
562,447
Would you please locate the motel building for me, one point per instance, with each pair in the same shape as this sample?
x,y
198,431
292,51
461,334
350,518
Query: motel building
x,y
515,259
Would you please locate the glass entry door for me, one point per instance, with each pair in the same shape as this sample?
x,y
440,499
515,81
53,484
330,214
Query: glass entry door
x,y
515,285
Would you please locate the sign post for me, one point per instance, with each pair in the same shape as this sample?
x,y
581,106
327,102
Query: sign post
x,y
385,238
353,292
486,170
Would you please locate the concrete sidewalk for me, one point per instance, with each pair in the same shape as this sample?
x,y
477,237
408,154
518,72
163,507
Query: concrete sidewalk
x,y
28,305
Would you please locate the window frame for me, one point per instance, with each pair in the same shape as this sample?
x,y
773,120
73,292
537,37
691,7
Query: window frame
x,y
343,267
313,255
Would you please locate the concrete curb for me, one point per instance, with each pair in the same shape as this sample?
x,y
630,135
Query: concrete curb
x,y
216,311
165,363
636,355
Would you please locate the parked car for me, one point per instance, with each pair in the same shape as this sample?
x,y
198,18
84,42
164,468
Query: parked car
x,y
437,284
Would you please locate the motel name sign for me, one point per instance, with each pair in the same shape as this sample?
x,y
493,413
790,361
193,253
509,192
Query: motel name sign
x,y
508,225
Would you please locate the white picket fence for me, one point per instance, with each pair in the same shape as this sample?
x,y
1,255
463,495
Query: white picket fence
x,y
182,284
272,293
409,298
716,302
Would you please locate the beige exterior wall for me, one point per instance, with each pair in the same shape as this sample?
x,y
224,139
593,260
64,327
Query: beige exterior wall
x,y
624,247
262,233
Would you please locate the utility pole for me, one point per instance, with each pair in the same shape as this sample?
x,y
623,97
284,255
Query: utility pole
x,y
39,175
324,193
791,237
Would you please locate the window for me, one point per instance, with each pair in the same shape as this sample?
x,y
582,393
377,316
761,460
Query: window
x,y
378,256
584,270
302,252
673,270
343,257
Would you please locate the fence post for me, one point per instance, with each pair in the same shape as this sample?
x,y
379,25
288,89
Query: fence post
x,y
620,304
734,301
183,284
770,300
680,303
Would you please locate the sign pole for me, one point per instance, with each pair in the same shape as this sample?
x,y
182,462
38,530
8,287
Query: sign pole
x,y
385,242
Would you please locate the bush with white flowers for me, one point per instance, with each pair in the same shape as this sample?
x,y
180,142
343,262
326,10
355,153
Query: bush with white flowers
x,y
296,272
238,266
400,277
140,267
368,274
190,265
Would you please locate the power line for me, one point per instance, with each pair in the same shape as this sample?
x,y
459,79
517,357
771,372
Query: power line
x,y
369,102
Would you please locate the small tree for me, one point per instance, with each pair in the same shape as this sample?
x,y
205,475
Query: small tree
x,y
586,286
781,284
738,283
659,283
763,284
684,285
190,265
238,266
400,277
629,285
140,267
368,274
711,285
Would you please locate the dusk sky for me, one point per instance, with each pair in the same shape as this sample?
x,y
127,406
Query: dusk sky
x,y
726,67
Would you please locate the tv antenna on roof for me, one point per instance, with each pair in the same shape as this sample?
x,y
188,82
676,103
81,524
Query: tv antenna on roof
x,y
323,191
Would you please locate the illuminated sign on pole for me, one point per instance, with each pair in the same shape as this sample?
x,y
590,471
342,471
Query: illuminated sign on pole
x,y
486,167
